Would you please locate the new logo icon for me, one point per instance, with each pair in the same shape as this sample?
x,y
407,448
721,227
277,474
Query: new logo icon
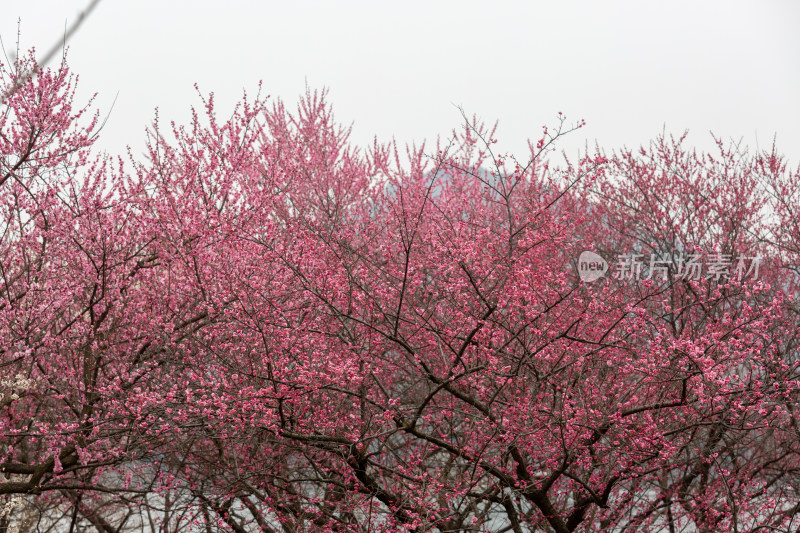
x,y
591,266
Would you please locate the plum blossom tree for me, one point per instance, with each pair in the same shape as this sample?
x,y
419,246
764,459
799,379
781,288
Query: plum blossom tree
x,y
260,327
85,328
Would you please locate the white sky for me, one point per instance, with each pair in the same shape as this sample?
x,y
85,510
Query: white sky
x,y
629,68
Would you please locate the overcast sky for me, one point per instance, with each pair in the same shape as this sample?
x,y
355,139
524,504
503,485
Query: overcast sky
x,y
630,68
